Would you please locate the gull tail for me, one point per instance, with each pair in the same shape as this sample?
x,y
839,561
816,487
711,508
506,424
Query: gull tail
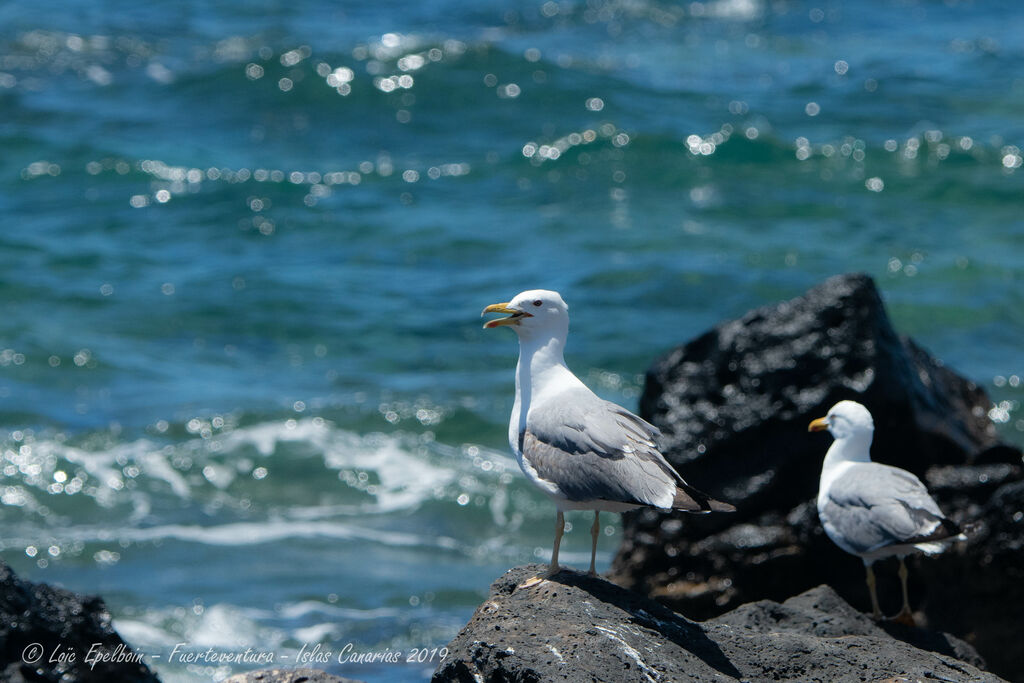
x,y
690,499
945,531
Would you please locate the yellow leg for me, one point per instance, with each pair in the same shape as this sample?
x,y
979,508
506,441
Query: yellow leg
x,y
559,530
553,568
594,531
906,616
876,611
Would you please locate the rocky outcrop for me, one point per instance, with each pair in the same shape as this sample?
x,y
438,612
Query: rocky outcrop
x,y
50,634
734,405
580,628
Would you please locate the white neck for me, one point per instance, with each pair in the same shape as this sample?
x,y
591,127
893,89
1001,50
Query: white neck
x,y
540,355
538,362
851,449
541,367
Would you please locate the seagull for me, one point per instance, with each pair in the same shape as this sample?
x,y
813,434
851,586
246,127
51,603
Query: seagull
x,y
873,510
584,452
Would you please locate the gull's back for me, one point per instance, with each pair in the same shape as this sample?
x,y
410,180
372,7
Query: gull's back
x,y
874,510
595,450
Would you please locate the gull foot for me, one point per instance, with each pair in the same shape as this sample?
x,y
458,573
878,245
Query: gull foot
x,y
905,617
557,569
540,578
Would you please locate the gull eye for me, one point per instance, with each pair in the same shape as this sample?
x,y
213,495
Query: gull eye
x,y
538,302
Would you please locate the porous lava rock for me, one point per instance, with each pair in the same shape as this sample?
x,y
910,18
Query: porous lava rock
x,y
734,405
48,634
579,628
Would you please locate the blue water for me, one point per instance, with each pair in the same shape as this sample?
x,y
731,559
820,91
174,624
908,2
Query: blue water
x,y
245,394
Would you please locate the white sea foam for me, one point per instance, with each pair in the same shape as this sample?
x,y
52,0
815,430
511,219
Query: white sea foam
x,y
156,465
143,634
231,628
393,472
407,474
266,437
261,485
316,633
260,533
299,610
226,627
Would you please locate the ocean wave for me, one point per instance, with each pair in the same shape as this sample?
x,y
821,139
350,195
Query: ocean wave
x,y
391,472
259,484
267,532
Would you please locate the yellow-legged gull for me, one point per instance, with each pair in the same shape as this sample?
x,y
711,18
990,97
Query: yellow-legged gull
x,y
873,510
584,452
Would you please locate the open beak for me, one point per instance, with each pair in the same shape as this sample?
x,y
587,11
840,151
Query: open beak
x,y
513,319
819,425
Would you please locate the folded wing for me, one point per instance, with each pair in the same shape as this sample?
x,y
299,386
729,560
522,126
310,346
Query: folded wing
x,y
592,449
872,506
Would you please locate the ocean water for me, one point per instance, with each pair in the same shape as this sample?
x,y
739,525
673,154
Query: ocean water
x,y
244,391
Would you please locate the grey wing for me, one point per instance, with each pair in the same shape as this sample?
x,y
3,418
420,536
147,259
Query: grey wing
x,y
872,506
592,449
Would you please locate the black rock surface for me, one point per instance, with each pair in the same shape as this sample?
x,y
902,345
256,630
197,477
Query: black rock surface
x,y
734,405
581,628
40,623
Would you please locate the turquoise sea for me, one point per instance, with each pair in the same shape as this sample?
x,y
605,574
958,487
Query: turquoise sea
x,y
244,390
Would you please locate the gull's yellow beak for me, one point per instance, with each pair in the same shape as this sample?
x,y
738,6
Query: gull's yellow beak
x,y
513,319
819,425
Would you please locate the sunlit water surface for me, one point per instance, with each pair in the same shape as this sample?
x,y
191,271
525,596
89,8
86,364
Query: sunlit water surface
x,y
245,393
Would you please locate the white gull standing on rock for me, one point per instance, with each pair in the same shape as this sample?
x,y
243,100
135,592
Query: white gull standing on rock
x,y
873,510
584,452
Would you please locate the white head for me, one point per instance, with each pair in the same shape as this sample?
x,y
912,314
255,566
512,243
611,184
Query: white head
x,y
533,314
845,420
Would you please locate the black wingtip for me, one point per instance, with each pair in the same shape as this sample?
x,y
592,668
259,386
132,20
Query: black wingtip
x,y
690,499
946,530
959,532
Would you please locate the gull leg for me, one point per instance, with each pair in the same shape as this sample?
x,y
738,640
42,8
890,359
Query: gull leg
x,y
553,568
559,529
594,531
905,616
876,611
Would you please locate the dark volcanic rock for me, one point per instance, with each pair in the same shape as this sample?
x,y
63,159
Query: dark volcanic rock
x,y
39,623
580,628
734,405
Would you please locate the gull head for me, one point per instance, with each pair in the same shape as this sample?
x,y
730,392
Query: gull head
x,y
533,313
845,420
